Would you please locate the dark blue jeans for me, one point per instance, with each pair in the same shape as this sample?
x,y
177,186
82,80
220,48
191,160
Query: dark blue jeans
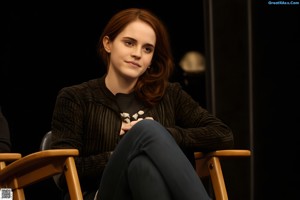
x,y
149,165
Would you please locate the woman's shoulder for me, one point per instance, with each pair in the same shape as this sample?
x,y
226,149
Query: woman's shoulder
x,y
176,92
83,86
173,87
86,88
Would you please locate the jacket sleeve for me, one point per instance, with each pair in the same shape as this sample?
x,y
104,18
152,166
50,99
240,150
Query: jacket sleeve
x,y
195,127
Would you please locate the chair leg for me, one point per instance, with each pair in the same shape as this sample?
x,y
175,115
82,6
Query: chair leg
x,y
2,165
72,179
18,194
217,178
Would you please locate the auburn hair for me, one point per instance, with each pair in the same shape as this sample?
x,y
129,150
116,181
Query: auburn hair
x,y
151,86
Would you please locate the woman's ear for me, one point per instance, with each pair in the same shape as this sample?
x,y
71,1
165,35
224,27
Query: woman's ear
x,y
106,43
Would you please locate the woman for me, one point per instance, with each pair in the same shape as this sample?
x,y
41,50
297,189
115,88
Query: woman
x,y
131,125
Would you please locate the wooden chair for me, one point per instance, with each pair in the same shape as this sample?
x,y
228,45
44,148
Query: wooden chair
x,y
209,165
39,166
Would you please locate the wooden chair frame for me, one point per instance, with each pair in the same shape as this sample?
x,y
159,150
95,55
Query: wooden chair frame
x,y
209,165
38,166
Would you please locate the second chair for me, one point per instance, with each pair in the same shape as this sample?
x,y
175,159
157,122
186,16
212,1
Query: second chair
x,y
39,166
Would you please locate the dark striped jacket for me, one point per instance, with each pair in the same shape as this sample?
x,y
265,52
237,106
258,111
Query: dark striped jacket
x,y
87,117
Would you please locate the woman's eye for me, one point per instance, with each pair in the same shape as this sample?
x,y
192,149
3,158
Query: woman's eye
x,y
148,49
128,43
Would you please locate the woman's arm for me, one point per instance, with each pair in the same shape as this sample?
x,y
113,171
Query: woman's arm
x,y
194,126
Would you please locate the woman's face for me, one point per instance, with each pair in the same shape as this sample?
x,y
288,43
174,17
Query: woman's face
x,y
132,50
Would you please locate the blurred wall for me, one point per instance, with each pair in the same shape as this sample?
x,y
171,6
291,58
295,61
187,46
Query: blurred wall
x,y
253,67
227,38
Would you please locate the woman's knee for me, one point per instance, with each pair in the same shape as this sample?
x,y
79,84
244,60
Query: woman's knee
x,y
150,127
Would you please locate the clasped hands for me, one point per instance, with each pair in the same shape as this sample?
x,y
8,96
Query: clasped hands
x,y
126,126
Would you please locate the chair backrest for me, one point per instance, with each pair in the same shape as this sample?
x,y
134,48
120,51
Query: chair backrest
x,y
45,144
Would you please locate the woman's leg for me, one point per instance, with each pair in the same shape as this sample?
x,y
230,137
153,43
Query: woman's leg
x,y
151,139
145,181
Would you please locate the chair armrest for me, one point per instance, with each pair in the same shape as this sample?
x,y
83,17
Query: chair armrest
x,y
204,160
7,158
223,153
35,167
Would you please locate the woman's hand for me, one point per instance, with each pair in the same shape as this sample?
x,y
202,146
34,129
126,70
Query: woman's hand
x,y
127,126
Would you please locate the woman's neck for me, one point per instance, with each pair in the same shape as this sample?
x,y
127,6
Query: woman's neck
x,y
119,85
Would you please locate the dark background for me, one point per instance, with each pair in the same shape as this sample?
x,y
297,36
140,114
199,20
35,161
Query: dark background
x,y
252,84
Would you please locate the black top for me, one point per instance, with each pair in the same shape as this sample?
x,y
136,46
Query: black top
x,y
131,108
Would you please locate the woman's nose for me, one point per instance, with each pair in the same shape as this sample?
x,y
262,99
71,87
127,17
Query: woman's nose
x,y
136,52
